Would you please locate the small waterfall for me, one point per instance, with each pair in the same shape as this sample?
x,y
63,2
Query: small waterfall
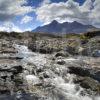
x,y
23,51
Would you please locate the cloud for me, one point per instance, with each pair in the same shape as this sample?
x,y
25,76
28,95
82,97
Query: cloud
x,y
69,11
95,15
45,2
9,26
26,19
12,8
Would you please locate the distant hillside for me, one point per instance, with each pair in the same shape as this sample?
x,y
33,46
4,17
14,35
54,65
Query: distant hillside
x,y
63,28
26,35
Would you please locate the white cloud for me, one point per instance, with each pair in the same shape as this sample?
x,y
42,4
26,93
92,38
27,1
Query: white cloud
x,y
27,29
95,14
9,26
45,2
70,10
26,19
12,8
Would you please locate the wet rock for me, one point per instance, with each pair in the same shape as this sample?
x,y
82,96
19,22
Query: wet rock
x,y
62,54
39,70
90,52
84,52
17,69
61,62
22,96
47,74
88,83
18,81
13,69
92,47
47,45
72,50
4,90
79,71
96,53
42,50
9,78
85,72
19,95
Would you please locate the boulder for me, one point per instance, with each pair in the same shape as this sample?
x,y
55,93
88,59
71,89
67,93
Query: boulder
x,y
41,49
96,53
88,83
62,54
61,62
72,50
86,72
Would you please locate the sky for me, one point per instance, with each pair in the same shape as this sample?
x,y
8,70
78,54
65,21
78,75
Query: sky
x,y
26,15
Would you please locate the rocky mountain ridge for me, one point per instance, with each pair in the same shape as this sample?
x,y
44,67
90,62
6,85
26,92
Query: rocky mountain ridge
x,y
64,28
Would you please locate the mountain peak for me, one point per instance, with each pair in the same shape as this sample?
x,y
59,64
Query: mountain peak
x,y
76,23
56,27
54,22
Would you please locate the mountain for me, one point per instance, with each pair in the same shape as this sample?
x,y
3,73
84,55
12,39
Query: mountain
x,y
66,27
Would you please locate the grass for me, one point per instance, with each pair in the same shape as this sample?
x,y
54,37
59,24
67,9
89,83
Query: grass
x,y
35,36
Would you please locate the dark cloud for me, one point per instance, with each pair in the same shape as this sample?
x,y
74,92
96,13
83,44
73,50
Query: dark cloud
x,y
12,8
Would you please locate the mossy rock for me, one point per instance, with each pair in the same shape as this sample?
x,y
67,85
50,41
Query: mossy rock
x,y
88,83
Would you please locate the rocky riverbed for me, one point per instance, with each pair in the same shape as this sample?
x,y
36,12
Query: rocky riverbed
x,y
28,74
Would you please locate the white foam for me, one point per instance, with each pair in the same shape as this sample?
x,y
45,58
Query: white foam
x,y
32,79
23,51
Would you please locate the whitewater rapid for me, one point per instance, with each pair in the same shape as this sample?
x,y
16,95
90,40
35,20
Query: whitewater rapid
x,y
62,90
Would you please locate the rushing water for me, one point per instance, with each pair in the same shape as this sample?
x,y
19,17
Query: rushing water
x,y
61,89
